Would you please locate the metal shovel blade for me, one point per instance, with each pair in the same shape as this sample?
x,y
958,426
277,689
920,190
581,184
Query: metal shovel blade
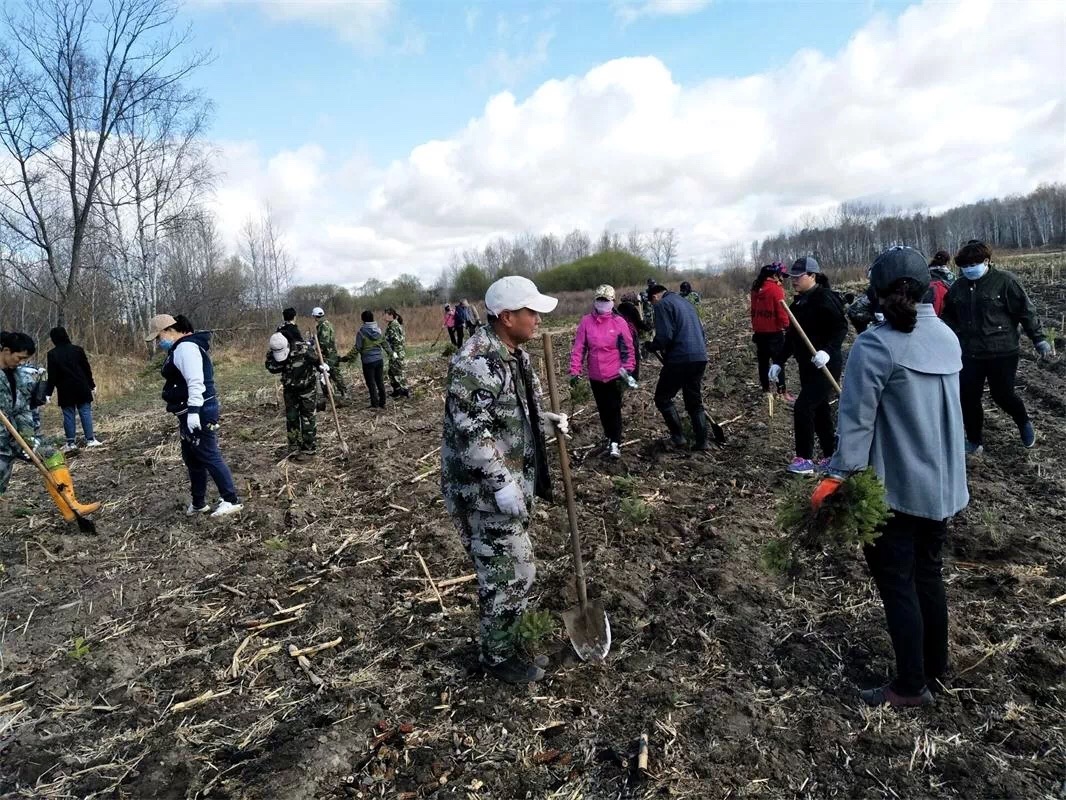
x,y
717,432
589,631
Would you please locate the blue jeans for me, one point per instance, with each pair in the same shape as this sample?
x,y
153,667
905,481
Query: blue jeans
x,y
70,428
202,457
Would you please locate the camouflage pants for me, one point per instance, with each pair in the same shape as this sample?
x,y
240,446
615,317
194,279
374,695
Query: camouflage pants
x,y
336,375
502,553
398,373
7,463
300,423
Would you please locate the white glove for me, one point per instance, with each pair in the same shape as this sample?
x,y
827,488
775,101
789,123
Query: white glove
x,y
821,358
553,422
774,372
879,316
324,369
510,500
192,421
48,397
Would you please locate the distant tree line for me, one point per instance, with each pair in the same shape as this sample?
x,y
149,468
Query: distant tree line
x,y
856,232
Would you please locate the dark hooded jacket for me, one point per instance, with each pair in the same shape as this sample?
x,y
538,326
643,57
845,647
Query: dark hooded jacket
x,y
69,373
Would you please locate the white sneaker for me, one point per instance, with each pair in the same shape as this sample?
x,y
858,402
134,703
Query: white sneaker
x,y
192,510
68,448
226,508
616,450
94,443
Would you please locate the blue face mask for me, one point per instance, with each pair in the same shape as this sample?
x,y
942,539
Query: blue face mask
x,y
165,345
975,272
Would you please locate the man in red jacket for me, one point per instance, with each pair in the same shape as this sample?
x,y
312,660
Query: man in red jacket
x,y
769,321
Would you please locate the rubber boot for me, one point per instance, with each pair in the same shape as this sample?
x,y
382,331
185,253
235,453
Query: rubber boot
x,y
699,430
61,476
673,424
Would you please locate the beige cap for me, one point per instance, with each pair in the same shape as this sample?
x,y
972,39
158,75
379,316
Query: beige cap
x,y
605,291
158,324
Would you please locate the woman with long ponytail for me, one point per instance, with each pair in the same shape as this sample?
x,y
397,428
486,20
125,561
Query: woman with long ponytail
x,y
899,415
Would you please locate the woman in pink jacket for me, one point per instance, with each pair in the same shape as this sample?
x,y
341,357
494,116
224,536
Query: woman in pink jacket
x,y
606,339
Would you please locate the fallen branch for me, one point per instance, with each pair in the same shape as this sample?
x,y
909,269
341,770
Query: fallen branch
x,y
305,665
199,700
433,585
318,648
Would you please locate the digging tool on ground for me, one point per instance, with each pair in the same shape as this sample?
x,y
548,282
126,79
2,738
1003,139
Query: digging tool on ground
x,y
717,431
84,525
332,404
811,347
587,624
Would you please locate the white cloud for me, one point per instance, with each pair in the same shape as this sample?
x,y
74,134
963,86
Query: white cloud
x,y
949,103
506,68
631,10
360,23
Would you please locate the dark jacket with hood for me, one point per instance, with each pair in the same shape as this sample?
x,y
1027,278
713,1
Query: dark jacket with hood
x,y
820,312
985,314
678,333
368,342
69,373
189,377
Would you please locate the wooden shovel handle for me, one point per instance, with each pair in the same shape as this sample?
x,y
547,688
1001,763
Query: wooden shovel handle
x,y
811,347
564,468
34,458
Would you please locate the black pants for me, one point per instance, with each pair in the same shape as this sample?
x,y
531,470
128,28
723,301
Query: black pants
x,y
374,375
768,345
905,563
999,372
608,396
812,412
456,335
686,378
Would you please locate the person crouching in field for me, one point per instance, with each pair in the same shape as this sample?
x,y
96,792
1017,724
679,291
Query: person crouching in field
x,y
899,415
299,369
190,395
606,341
494,464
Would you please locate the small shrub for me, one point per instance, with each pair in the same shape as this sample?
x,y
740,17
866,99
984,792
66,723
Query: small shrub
x,y
635,511
624,485
776,556
852,515
580,392
448,351
276,543
532,628
80,649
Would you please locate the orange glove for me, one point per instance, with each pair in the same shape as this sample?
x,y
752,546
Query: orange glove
x,y
825,488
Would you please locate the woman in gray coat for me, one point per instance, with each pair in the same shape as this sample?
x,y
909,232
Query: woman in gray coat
x,y
899,413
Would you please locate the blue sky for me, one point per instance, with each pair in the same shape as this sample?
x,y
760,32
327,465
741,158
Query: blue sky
x,y
388,136
432,66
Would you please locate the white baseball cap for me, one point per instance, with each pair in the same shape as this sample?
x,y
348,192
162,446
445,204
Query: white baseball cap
x,y
317,312
279,347
514,292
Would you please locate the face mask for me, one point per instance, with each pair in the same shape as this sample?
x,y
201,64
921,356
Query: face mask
x,y
603,306
976,272
165,345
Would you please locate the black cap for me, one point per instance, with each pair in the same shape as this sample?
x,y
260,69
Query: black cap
x,y
804,265
899,262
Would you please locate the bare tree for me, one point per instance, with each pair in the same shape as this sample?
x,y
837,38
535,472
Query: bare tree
x,y
662,248
71,73
269,267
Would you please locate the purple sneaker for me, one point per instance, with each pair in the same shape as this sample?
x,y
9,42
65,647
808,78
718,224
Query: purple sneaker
x,y
822,465
801,466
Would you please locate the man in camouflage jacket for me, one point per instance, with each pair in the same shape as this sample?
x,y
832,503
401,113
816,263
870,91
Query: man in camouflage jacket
x,y
327,340
494,464
15,404
298,368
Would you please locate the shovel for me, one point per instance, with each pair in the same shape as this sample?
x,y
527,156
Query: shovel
x,y
587,624
811,347
332,404
84,525
717,431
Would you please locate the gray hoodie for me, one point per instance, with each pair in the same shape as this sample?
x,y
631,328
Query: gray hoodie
x,y
368,343
900,413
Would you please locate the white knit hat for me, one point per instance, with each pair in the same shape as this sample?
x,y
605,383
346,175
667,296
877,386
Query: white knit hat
x,y
279,347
